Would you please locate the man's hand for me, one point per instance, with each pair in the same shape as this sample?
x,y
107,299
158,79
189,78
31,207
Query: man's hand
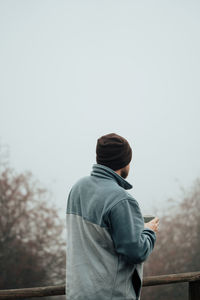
x,y
153,225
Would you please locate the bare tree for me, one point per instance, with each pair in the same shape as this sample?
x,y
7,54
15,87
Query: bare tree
x,y
178,245
32,249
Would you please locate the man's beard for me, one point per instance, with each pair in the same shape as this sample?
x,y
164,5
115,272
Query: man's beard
x,y
124,173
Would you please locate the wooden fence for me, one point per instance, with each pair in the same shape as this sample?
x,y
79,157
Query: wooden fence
x,y
193,280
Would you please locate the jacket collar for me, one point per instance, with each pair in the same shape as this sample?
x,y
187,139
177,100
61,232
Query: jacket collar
x,y
105,172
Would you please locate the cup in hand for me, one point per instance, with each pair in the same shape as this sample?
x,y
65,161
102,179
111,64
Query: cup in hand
x,y
148,218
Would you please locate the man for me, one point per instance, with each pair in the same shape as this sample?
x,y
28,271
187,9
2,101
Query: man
x,y
107,240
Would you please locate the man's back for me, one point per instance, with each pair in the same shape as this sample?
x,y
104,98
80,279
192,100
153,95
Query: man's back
x,y
106,239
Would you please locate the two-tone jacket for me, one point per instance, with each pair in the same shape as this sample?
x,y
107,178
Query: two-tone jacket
x,y
106,239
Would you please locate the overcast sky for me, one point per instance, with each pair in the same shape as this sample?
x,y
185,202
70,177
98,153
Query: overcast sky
x,y
71,71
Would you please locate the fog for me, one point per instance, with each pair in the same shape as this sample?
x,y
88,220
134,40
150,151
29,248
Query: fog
x,y
72,71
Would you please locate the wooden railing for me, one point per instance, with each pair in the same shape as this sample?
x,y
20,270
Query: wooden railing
x,y
193,280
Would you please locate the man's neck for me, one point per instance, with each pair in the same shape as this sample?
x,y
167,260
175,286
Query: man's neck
x,y
118,172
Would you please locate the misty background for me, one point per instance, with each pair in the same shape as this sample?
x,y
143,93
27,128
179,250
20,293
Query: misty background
x,y
71,71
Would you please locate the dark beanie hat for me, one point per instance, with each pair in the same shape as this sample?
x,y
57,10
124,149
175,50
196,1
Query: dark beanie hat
x,y
113,151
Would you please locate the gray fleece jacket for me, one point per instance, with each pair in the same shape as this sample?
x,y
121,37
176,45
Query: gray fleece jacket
x,y
106,239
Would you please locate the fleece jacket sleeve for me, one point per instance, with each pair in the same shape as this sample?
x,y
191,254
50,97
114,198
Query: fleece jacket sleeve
x,y
130,238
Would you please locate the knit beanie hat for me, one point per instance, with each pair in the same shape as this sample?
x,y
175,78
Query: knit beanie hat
x,y
113,151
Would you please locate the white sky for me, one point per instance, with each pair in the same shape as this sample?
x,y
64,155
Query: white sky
x,y
71,71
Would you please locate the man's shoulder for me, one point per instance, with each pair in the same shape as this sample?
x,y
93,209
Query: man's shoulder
x,y
81,181
121,192
109,191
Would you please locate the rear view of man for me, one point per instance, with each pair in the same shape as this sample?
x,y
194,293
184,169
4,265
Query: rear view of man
x,y
107,240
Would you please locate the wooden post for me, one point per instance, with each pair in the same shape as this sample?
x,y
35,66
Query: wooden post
x,y
194,290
